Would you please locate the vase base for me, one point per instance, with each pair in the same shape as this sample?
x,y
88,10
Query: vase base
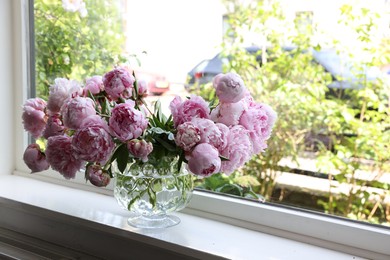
x,y
153,221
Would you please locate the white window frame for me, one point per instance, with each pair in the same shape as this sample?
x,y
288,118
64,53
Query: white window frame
x,y
326,231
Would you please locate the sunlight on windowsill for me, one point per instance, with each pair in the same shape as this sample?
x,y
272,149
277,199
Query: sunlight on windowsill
x,y
192,236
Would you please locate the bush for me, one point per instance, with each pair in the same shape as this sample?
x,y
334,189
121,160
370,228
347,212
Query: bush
x,y
348,130
72,46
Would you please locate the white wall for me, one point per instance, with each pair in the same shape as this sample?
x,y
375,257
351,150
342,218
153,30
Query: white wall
x,y
6,86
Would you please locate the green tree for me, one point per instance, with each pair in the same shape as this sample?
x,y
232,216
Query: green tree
x,y
346,131
68,45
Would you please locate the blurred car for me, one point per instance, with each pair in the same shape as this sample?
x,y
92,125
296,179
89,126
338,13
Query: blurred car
x,y
338,65
157,84
344,72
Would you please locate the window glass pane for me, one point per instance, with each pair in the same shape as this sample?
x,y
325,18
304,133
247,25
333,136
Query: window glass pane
x,y
323,67
73,40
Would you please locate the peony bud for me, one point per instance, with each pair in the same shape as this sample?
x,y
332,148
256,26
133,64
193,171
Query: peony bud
x,y
34,116
229,87
142,87
204,160
97,176
94,85
140,149
35,159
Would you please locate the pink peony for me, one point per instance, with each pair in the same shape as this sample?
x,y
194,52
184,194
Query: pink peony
x,y
61,157
238,150
126,122
97,176
223,139
94,85
92,143
75,110
35,159
185,111
53,127
229,113
259,120
140,149
204,160
61,91
229,87
95,120
118,83
272,117
34,116
188,135
209,132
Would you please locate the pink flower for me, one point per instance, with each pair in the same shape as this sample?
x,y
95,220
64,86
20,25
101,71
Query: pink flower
x,y
75,110
95,120
229,113
60,91
61,157
35,159
209,132
229,87
204,160
142,88
97,176
259,120
118,83
53,127
223,139
34,117
36,103
92,143
140,149
94,85
188,135
238,150
126,122
184,111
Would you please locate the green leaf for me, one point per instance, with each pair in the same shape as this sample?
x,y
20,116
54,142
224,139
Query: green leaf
x,y
223,158
166,145
182,159
158,130
231,189
157,109
121,155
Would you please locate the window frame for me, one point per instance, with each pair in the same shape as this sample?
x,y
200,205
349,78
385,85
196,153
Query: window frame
x,y
365,240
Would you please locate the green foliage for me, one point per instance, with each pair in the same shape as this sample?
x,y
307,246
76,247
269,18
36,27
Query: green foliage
x,y
235,184
67,45
207,91
348,131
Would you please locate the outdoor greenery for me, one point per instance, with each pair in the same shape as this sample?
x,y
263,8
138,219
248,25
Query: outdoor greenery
x,y
68,45
346,132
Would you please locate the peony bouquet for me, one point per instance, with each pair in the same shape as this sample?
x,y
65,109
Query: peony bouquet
x,y
108,120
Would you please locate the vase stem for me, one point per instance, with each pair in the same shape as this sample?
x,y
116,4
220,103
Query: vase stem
x,y
155,221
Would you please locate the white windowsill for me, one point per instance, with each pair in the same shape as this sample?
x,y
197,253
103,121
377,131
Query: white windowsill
x,y
195,236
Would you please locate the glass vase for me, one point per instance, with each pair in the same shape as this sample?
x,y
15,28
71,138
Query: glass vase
x,y
150,192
